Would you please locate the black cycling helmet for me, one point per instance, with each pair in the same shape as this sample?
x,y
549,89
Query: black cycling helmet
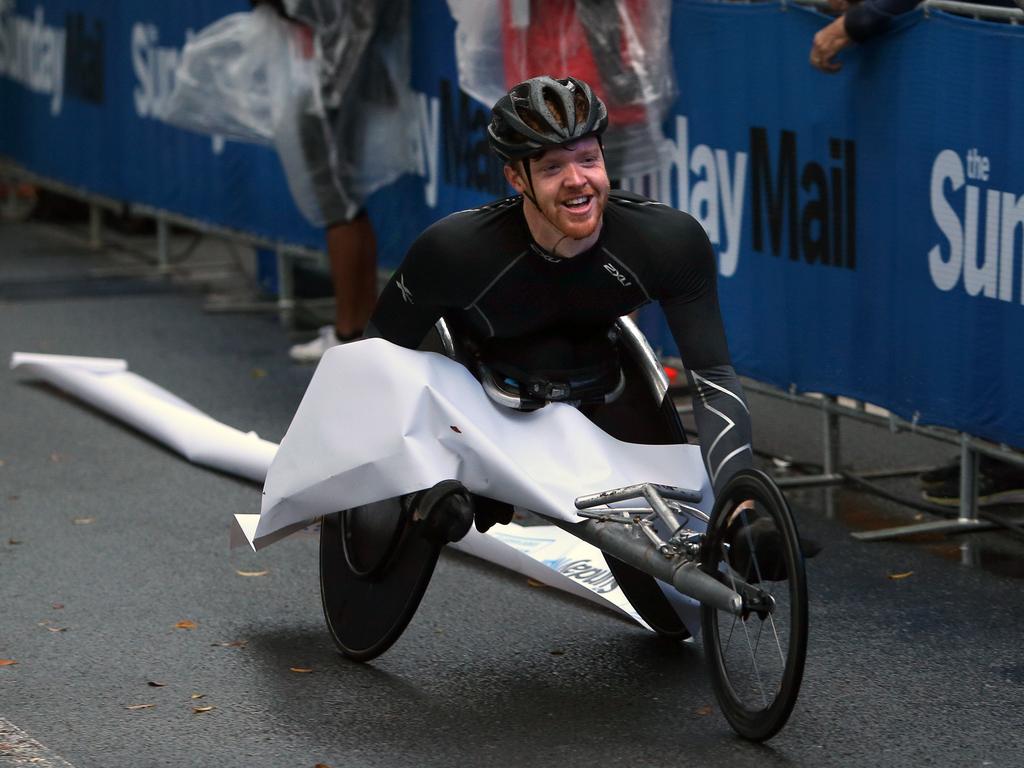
x,y
543,112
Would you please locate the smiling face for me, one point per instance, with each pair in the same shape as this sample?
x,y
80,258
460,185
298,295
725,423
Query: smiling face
x,y
570,189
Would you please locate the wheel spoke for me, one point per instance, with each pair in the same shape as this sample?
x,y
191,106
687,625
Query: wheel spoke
x,y
753,661
746,634
778,643
757,565
732,579
732,628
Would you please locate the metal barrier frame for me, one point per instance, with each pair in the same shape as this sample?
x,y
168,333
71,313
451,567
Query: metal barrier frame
x,y
971,448
997,12
286,253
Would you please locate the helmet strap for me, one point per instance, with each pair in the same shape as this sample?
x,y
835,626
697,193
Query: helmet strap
x,y
532,196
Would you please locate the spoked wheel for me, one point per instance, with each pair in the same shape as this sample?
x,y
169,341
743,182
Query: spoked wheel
x,y
757,659
648,600
375,565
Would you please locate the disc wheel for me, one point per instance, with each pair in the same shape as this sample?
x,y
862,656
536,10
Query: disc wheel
x,y
647,599
756,659
375,566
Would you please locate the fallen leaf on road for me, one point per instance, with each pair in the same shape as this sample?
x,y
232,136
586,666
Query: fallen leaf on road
x,y
14,542
83,520
140,706
897,576
258,373
186,624
232,644
2,462
321,765
252,573
200,710
704,711
56,606
198,695
7,662
154,684
534,583
300,669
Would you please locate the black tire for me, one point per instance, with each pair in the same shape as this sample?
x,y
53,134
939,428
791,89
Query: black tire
x,y
636,418
757,661
648,600
375,565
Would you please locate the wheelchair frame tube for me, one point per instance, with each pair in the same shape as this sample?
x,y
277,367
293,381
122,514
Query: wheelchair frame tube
x,y
617,540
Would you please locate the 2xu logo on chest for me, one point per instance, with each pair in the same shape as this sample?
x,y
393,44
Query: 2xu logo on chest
x,y
617,275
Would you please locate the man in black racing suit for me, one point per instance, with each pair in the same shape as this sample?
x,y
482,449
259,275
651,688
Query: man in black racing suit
x,y
534,283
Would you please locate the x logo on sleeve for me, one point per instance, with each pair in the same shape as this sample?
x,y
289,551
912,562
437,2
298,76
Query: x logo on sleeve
x,y
406,293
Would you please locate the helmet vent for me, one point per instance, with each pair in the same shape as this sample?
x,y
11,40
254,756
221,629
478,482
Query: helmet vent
x,y
543,112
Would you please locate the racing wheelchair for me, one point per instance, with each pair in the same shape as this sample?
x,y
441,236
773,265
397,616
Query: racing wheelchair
x,y
377,560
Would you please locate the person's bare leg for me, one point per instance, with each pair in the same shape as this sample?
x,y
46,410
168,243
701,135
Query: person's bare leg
x,y
368,278
352,250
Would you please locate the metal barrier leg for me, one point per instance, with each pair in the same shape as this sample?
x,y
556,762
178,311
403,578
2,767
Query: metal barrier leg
x,y
967,519
829,502
830,452
162,237
285,288
830,437
968,480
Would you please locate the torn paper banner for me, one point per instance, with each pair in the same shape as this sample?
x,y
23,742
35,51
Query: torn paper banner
x,y
108,385
544,553
555,557
379,421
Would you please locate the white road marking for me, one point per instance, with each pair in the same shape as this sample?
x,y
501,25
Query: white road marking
x,y
18,748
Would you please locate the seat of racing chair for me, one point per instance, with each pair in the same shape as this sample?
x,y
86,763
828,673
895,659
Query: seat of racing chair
x,y
643,413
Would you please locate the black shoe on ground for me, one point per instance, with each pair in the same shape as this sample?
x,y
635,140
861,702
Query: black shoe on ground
x,y
998,483
756,549
940,475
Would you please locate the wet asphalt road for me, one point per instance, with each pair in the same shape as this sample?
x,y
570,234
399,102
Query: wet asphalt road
x,y
108,540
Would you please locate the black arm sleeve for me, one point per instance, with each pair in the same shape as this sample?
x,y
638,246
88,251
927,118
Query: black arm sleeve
x,y
871,17
413,299
719,405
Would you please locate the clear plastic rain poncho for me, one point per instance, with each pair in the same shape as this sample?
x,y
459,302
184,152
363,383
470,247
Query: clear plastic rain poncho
x,y
619,47
331,93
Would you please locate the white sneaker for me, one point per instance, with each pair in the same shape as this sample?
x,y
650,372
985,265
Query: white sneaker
x,y
312,351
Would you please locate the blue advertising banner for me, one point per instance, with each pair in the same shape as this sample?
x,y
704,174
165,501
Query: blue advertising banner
x,y
869,225
82,87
